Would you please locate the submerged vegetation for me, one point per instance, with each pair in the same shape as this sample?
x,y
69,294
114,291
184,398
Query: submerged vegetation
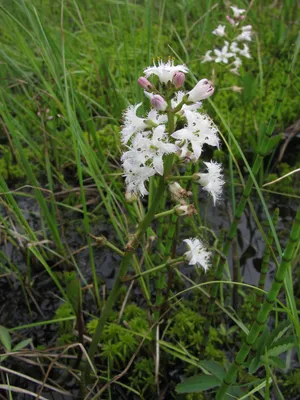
x,y
149,254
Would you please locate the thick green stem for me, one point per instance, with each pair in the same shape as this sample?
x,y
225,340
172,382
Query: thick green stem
x,y
265,309
161,278
263,150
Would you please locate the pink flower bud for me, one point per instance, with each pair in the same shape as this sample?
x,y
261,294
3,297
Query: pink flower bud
x,y
158,102
144,83
178,79
242,17
201,91
230,20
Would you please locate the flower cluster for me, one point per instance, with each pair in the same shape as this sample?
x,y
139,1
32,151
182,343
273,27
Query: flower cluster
x,y
231,50
149,139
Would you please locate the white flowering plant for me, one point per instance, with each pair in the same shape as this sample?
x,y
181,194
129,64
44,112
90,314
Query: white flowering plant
x,y
160,148
236,36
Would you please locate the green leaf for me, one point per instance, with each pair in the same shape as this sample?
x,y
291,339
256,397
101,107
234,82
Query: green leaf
x,y
214,368
5,338
253,143
279,331
198,383
273,362
281,346
74,294
22,344
274,141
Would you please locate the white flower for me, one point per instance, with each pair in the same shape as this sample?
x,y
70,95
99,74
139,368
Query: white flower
x,y
237,63
220,31
155,118
132,123
201,91
245,52
234,47
199,130
197,254
136,178
246,28
212,181
223,55
158,146
177,99
237,12
149,150
244,36
165,71
207,57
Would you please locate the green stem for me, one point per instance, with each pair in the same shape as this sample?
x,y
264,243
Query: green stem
x,y
265,309
170,263
180,177
161,278
165,213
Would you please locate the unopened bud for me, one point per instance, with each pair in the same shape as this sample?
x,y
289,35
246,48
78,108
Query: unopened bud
x,y
188,210
130,197
178,79
230,20
242,17
236,89
144,83
201,91
158,102
177,192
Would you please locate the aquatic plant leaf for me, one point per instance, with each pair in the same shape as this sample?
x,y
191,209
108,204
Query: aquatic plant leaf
x,y
5,338
198,383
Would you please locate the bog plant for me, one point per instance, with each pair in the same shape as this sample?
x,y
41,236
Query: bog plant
x,y
172,135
